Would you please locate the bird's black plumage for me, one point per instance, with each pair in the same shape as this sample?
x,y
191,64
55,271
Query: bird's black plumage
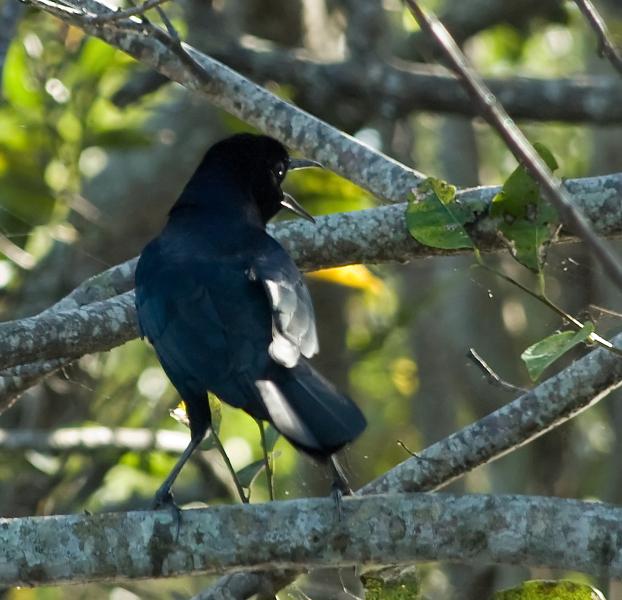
x,y
226,309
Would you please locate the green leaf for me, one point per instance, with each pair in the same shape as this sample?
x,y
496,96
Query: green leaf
x,y
247,475
529,223
215,406
550,590
435,218
272,436
544,353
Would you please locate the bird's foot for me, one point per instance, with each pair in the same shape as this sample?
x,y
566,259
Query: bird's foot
x,y
164,499
338,491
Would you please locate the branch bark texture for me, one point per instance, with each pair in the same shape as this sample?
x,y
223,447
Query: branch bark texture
x,y
377,530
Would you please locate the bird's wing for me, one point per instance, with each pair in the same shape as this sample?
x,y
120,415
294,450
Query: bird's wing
x,y
177,315
293,319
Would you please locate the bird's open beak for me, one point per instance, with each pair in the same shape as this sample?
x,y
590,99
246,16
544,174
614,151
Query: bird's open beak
x,y
290,202
302,163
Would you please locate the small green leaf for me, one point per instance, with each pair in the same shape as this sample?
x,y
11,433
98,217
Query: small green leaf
x,y
544,353
529,223
271,436
247,475
550,590
215,407
435,218
546,155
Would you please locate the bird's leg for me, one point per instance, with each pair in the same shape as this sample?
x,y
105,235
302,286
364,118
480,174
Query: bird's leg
x,y
163,496
340,487
236,481
266,459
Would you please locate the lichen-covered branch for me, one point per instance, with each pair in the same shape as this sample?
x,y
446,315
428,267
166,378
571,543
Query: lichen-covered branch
x,y
69,333
548,405
372,236
376,530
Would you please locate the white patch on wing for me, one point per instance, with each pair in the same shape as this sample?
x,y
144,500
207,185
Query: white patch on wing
x,y
283,350
283,416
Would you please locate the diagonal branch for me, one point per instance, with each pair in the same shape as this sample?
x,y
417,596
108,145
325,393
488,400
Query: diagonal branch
x,y
516,141
372,170
606,47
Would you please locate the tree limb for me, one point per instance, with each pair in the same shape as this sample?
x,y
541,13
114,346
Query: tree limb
x,y
94,439
372,236
376,530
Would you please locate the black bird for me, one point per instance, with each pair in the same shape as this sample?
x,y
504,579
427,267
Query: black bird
x,y
228,311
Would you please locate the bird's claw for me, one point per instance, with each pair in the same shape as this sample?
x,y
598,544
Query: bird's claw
x,y
338,491
164,499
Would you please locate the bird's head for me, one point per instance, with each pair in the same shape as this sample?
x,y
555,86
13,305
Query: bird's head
x,y
258,163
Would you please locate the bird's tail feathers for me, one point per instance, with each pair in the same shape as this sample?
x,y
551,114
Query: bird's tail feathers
x,y
309,411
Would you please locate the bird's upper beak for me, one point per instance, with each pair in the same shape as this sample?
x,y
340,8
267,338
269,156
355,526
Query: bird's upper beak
x,y
302,163
290,202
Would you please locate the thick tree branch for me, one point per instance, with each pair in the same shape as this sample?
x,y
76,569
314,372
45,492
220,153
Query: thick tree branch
x,y
377,530
372,236
556,400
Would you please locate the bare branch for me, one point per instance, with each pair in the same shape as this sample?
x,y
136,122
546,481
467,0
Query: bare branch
x,y
128,12
94,439
519,145
548,405
606,47
405,87
372,236
376,530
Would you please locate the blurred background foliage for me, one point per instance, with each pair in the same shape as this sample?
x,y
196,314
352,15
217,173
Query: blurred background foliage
x,y
92,156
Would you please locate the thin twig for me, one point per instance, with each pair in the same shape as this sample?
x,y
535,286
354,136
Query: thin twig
x,y
128,12
606,47
490,373
518,144
234,476
266,459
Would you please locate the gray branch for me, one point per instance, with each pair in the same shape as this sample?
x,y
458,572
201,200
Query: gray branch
x,y
94,439
401,88
301,534
371,236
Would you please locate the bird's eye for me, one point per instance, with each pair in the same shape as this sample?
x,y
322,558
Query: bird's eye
x,y
279,171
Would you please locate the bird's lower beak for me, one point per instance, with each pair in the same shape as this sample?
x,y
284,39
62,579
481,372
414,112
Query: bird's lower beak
x,y
302,163
290,202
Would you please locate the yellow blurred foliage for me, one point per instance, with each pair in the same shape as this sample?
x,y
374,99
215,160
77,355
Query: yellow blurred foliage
x,y
354,276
